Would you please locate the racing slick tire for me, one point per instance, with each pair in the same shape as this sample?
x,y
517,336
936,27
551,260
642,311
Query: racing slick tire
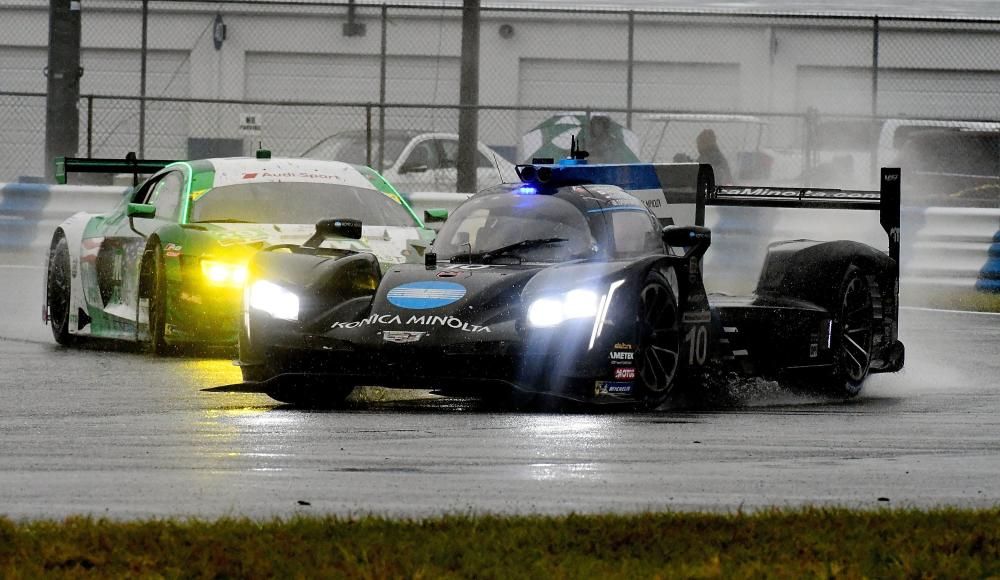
x,y
58,292
659,344
156,290
851,342
853,334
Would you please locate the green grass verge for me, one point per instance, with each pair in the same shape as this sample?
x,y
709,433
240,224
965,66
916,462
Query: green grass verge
x,y
970,300
786,544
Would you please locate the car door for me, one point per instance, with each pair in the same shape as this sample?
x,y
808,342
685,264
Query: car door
x,y
420,167
120,254
486,169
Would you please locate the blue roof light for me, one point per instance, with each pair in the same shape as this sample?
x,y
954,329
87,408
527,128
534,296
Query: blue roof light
x,y
526,190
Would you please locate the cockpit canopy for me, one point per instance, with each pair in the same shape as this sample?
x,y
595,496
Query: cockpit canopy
x,y
514,224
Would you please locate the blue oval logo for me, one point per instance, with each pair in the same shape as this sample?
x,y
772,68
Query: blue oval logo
x,y
424,295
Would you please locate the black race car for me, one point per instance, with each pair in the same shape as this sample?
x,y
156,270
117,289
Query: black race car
x,y
577,282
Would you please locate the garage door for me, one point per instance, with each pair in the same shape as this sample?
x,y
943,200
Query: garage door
x,y
902,92
348,79
116,121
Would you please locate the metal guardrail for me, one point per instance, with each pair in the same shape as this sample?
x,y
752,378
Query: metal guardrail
x,y
943,248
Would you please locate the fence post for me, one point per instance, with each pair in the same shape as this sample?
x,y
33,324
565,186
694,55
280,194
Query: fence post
x,y
875,125
381,87
368,135
90,125
631,67
142,79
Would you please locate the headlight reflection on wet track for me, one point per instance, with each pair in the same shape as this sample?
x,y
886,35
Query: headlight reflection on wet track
x,y
565,444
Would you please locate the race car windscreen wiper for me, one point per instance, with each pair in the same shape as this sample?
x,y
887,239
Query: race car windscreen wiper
x,y
522,245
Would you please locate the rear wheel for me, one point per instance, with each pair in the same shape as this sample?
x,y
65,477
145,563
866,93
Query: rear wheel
x,y
658,358
853,335
58,292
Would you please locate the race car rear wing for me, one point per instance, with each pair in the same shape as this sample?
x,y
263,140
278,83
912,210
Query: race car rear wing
x,y
677,193
137,167
886,201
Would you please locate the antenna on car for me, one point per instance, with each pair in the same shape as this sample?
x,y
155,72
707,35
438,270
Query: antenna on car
x,y
574,149
496,163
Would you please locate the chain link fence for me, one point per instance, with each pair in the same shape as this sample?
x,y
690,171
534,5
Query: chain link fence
x,y
216,78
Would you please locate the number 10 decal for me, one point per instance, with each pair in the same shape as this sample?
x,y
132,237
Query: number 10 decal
x,y
697,341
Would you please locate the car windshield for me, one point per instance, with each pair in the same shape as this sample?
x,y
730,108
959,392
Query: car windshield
x,y
529,228
352,148
297,203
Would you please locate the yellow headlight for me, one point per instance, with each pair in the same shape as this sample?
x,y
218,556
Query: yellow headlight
x,y
224,273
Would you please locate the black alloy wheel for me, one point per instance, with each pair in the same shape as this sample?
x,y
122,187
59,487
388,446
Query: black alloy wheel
x,y
853,334
157,294
58,292
658,358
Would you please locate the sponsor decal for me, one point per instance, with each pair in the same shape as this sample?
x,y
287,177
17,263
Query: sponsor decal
x,y
413,320
172,250
251,175
696,317
612,388
622,356
796,193
625,374
472,266
402,336
233,237
624,346
425,295
89,248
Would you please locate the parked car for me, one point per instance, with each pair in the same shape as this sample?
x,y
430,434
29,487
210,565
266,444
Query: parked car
x,y
413,160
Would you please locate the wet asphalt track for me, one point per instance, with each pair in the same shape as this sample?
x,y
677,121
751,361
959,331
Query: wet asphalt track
x,y
127,435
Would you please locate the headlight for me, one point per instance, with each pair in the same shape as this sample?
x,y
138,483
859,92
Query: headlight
x,y
553,311
224,273
273,299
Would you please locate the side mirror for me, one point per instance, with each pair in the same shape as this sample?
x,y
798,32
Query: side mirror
x,y
334,228
695,238
435,215
339,227
141,210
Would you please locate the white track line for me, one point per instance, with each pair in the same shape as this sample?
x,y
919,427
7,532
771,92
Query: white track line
x,y
942,310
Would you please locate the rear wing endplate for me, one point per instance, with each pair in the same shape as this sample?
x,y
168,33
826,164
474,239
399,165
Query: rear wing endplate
x,y
137,167
886,200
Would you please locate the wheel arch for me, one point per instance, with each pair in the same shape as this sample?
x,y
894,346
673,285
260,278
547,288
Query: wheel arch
x,y
72,229
813,271
144,272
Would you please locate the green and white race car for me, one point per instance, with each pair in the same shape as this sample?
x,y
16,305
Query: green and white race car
x,y
168,264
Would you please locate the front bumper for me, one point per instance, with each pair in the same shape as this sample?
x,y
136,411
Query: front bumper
x,y
549,362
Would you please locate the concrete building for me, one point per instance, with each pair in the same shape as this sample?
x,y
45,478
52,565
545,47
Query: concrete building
x,y
549,60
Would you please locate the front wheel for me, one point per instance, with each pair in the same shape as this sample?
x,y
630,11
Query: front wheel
x,y
658,359
58,292
156,290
